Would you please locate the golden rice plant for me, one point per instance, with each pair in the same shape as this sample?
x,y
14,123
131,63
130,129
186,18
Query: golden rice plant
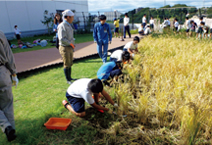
x,y
169,85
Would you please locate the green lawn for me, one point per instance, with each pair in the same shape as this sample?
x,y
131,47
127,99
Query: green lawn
x,y
80,38
38,97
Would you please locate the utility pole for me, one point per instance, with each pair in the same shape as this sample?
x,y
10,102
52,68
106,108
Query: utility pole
x,y
164,3
203,3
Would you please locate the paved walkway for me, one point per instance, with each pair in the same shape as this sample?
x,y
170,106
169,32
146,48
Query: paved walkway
x,y
26,61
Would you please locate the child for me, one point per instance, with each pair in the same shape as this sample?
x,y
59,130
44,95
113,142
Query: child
x,y
211,32
199,30
109,70
176,24
132,46
126,25
141,30
151,21
120,55
193,27
144,21
165,23
17,34
169,23
205,29
147,30
188,26
81,91
116,29
102,36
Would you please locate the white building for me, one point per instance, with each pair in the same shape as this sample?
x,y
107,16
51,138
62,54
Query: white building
x,y
28,14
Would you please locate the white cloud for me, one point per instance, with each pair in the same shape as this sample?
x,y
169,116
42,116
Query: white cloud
x,y
126,5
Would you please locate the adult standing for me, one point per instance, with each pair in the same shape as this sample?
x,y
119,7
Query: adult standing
x,y
144,22
17,34
66,43
126,25
102,36
57,21
7,67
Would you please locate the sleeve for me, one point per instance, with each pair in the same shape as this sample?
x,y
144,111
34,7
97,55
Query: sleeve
x,y
54,28
95,37
110,34
62,36
6,55
87,97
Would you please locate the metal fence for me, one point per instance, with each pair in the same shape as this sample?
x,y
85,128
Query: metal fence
x,y
86,21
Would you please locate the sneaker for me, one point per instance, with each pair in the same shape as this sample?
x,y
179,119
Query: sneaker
x,y
10,133
69,82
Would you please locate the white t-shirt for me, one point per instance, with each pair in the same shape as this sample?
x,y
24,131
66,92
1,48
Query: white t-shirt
x,y
117,55
169,23
211,26
147,31
188,25
151,21
130,45
126,21
140,29
144,20
176,24
79,89
17,31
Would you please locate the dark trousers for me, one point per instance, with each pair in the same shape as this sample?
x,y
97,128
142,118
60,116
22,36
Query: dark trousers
x,y
144,24
57,43
127,28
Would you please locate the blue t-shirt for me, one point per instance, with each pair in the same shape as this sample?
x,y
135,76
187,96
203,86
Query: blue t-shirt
x,y
104,71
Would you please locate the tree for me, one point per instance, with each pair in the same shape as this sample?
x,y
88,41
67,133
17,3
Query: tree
x,y
48,20
167,6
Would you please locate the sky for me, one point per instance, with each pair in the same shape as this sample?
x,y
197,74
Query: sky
x,y
126,5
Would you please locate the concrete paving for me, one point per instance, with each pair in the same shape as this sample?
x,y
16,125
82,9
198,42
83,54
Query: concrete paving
x,y
26,61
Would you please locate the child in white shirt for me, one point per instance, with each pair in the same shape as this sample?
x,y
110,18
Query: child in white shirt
x,y
141,30
176,24
120,56
151,21
17,34
132,46
147,30
144,20
81,91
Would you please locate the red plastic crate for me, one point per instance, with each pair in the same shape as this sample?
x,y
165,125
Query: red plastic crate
x,y
58,123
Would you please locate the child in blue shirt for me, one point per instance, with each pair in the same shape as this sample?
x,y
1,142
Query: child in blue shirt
x,y
109,70
102,36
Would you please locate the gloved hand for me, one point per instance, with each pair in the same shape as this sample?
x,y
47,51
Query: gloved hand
x,y
72,45
15,80
95,42
115,105
133,55
109,42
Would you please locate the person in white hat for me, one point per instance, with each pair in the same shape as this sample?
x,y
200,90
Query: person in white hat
x,y
7,68
66,43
